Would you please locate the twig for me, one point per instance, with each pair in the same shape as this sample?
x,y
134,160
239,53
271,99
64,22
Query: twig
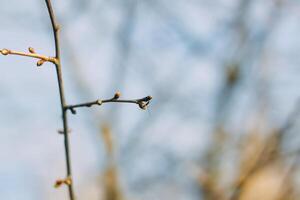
x,y
142,103
55,29
31,54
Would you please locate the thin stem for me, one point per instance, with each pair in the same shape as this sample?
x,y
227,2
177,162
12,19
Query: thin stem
x,y
55,28
31,54
142,103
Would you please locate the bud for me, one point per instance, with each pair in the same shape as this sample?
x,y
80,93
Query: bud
x,y
58,183
5,52
117,95
147,98
143,105
67,181
40,63
31,50
99,102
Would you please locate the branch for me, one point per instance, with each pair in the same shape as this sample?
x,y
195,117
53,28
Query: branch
x,y
31,54
142,103
55,29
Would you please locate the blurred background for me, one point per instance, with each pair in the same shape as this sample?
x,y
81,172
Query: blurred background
x,y
223,123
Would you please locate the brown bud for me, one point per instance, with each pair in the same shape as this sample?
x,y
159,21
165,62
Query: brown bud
x,y
31,50
99,102
143,105
58,183
5,52
67,181
147,98
40,63
57,27
117,95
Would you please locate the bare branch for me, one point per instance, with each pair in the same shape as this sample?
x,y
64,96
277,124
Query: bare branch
x,y
31,54
55,29
142,103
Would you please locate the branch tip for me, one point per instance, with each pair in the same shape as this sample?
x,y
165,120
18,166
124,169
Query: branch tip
x,y
144,102
5,52
147,98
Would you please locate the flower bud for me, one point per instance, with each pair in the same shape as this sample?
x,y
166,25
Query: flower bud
x,y
143,105
58,183
99,102
31,50
5,52
67,181
40,63
147,98
117,95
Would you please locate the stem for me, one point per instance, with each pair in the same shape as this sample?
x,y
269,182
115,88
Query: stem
x,y
55,28
143,103
32,55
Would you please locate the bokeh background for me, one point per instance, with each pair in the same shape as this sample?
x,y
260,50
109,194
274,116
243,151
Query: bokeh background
x,y
223,123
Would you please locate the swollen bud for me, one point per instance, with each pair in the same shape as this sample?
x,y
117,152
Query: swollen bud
x,y
31,50
4,52
117,95
142,105
99,102
40,63
147,98
60,182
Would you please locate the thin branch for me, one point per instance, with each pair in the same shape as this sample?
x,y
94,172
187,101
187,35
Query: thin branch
x,y
31,54
55,29
142,103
